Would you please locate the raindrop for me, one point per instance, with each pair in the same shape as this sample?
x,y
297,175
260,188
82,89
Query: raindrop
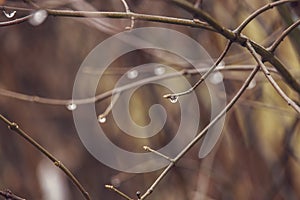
x,y
132,74
173,99
101,119
159,71
71,106
216,78
9,15
252,84
38,17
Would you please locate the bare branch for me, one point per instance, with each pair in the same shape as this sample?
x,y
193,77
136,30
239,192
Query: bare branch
x,y
7,194
128,11
15,21
285,33
289,101
261,10
15,128
146,148
204,131
211,69
118,192
102,117
100,97
234,37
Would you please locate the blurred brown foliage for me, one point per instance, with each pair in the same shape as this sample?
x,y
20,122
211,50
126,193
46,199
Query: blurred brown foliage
x,y
252,159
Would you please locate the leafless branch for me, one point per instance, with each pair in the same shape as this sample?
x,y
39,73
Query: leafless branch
x,y
271,80
285,33
15,128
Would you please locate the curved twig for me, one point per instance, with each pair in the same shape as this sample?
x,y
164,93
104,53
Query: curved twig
x,y
7,194
128,15
211,69
261,10
240,39
15,21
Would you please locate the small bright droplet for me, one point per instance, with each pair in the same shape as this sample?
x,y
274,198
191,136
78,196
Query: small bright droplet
x,y
101,119
173,99
252,84
38,17
9,15
159,71
132,74
71,106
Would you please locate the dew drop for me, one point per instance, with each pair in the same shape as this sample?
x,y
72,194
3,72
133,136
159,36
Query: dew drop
x,y
9,15
71,106
132,74
38,17
101,119
173,99
159,71
252,84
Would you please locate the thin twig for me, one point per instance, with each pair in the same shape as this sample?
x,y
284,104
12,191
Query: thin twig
x,y
203,132
211,24
128,11
118,192
15,21
240,39
259,11
277,42
265,70
212,68
99,97
14,127
136,16
146,148
7,194
109,107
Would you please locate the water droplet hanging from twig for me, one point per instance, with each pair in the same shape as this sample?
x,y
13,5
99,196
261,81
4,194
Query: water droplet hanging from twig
x,y
38,17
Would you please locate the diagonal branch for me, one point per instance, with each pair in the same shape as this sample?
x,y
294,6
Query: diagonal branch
x,y
261,10
270,78
15,21
202,133
238,38
211,69
285,33
15,128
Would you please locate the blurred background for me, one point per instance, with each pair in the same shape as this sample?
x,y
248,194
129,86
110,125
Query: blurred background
x,y
256,157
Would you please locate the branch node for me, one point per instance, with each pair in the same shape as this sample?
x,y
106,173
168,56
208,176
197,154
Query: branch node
x,y
13,126
111,187
57,163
